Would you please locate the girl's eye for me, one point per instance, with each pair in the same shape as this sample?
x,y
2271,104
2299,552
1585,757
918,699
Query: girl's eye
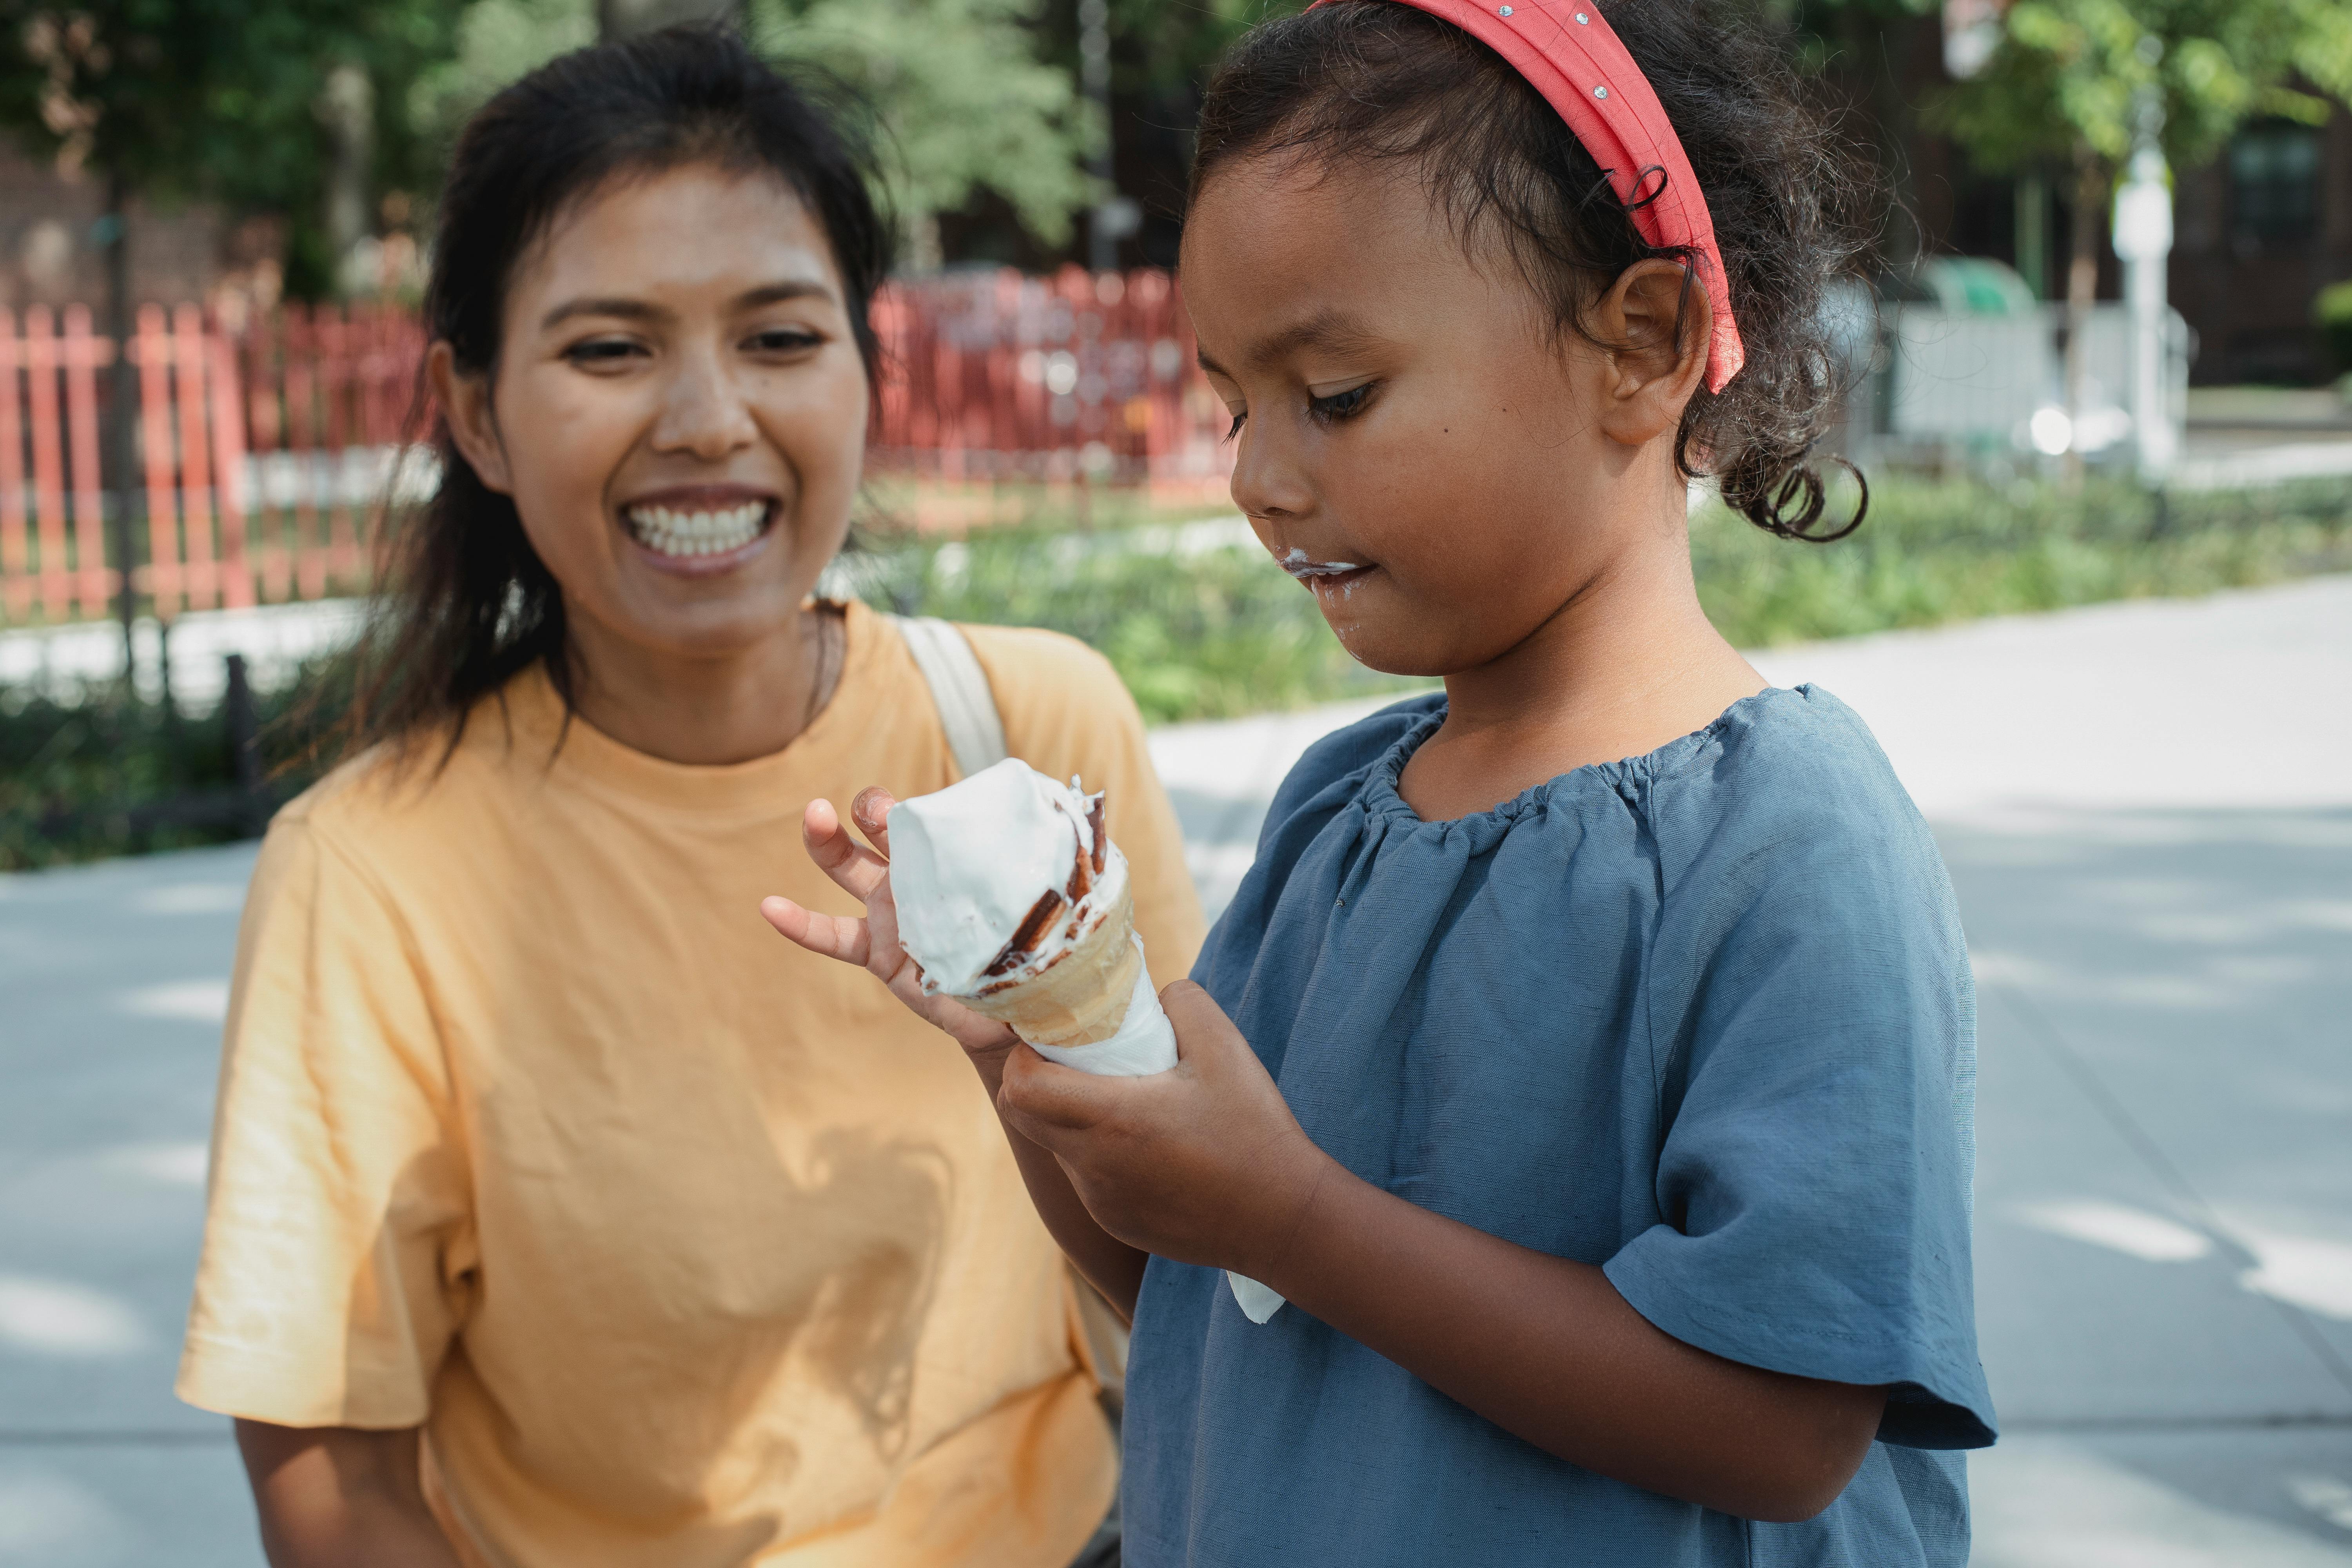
x,y
1341,405
1239,420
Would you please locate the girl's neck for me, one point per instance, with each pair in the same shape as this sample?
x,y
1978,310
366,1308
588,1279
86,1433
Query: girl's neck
x,y
713,709
1626,666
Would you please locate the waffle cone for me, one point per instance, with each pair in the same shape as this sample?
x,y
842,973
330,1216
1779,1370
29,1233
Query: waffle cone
x,y
1082,998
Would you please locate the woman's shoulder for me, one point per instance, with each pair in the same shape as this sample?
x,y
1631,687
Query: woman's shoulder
x,y
1030,664
383,806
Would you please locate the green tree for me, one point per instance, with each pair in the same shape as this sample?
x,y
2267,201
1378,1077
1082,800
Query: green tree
x,y
498,41
227,99
966,101
2071,80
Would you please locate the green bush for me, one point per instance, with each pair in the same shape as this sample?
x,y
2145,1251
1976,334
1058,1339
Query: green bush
x,y
1936,553
1206,636
2333,311
1217,633
113,775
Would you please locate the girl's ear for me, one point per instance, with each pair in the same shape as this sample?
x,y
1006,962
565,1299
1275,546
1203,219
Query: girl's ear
x,y
465,400
1660,319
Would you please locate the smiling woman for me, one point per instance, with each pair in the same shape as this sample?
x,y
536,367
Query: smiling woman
x,y
556,1215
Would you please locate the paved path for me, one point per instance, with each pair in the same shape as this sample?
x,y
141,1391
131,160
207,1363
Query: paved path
x,y
2148,809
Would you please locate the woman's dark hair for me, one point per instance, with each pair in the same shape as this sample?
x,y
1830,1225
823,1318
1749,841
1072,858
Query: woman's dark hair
x,y
1376,81
467,602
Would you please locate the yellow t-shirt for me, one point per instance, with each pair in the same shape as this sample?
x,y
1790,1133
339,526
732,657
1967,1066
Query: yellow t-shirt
x,y
685,1246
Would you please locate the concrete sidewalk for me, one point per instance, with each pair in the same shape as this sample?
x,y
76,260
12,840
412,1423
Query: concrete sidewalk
x,y
2148,809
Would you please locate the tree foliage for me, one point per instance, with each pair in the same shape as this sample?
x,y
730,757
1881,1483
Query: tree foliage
x,y
496,42
2066,79
206,97
967,101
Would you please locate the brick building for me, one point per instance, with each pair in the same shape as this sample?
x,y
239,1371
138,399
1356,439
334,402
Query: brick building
x,y
49,254
2258,232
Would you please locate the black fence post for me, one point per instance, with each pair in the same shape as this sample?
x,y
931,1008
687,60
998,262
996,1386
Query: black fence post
x,y
245,745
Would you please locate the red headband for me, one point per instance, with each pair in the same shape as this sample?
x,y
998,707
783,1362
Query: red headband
x,y
1568,52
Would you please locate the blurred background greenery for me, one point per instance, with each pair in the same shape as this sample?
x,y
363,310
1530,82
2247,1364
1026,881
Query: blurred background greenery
x,y
328,120
305,138
1201,626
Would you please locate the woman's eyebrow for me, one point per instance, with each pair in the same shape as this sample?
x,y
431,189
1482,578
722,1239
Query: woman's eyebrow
x,y
627,309
644,310
777,293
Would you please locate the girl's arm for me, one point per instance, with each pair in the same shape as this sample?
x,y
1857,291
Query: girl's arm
x,y
1115,1268
336,1497
1205,1165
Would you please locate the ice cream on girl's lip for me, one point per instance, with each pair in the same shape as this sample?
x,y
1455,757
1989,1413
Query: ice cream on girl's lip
x,y
1299,566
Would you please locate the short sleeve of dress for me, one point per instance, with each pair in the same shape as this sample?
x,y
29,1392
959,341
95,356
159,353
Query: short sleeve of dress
x,y
1066,713
338,1238
1812,1029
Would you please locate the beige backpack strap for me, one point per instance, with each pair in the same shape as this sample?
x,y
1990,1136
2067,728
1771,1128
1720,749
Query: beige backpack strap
x,y
975,729
958,690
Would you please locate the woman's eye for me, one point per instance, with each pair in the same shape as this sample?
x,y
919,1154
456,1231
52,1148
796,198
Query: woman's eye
x,y
598,353
1239,420
1339,405
784,340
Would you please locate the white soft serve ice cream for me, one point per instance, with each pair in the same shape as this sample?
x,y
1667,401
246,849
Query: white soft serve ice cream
x,y
974,863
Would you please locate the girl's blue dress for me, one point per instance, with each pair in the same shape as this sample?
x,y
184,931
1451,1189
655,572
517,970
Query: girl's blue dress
x,y
1702,1017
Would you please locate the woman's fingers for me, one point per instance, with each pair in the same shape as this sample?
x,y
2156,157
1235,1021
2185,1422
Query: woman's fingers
x,y
828,936
871,812
853,868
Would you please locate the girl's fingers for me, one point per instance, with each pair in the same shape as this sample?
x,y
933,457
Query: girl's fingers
x,y
1045,1099
828,936
871,812
853,868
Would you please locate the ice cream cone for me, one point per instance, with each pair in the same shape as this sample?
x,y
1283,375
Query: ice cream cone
x,y
1082,995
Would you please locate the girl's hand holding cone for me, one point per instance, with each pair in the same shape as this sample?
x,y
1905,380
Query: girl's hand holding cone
x,y
1202,1164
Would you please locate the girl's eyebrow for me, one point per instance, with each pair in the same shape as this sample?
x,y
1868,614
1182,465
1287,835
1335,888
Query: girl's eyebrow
x,y
1328,331
644,310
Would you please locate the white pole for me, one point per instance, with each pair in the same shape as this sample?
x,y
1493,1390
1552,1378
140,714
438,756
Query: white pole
x,y
2143,235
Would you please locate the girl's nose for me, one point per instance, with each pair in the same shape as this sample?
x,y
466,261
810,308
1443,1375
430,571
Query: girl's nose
x,y
1268,481
704,413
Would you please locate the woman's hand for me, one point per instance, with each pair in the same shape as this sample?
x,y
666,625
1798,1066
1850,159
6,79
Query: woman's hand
x,y
1203,1163
872,943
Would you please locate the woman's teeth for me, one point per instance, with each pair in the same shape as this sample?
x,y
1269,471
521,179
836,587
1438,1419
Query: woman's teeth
x,y
668,532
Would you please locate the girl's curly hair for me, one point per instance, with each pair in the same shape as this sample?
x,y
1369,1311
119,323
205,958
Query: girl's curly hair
x,y
1378,82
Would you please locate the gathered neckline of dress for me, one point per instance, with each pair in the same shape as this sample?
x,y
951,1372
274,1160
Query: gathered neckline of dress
x,y
1381,797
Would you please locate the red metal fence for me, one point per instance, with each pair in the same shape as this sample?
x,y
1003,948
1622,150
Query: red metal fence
x,y
262,453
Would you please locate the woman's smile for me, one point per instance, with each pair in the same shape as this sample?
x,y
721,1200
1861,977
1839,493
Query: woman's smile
x,y
700,531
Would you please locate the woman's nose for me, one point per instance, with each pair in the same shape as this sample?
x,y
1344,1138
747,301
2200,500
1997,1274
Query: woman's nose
x,y
704,412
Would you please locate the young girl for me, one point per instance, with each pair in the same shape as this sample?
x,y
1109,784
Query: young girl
x,y
1588,1057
